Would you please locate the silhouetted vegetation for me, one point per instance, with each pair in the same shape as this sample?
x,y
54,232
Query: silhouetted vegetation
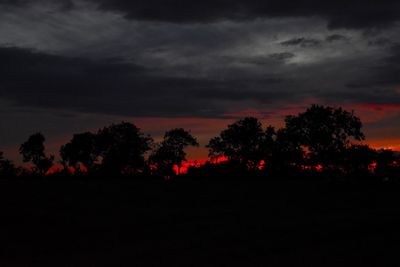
x,y
115,150
33,151
80,153
324,134
171,151
242,144
7,167
121,149
321,142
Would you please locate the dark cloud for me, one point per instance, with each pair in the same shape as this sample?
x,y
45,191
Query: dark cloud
x,y
113,86
303,42
362,96
282,56
356,14
312,42
274,59
14,2
339,13
64,4
337,38
381,41
382,73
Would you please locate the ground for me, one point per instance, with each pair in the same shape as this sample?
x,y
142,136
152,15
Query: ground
x,y
198,223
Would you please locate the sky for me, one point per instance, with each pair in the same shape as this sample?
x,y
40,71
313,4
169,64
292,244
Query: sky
x,y
69,66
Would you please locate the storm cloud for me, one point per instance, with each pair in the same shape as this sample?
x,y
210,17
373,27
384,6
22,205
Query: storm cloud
x,y
113,86
339,14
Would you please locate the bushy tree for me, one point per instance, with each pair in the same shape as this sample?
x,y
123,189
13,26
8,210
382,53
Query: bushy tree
x,y
242,142
121,148
324,133
80,150
171,151
33,150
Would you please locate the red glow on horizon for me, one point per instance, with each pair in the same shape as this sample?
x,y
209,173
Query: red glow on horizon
x,y
379,122
248,113
71,170
378,107
54,169
387,144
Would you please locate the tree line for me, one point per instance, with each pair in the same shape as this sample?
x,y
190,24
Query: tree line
x,y
322,141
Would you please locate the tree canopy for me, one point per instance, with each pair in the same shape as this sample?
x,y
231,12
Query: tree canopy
x,y
321,141
171,151
242,142
121,148
33,151
324,132
80,150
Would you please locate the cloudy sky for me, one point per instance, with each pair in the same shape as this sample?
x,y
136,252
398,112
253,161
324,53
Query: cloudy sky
x,y
76,65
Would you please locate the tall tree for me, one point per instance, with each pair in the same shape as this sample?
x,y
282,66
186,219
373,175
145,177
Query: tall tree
x,y
171,151
242,143
122,148
324,133
33,150
81,150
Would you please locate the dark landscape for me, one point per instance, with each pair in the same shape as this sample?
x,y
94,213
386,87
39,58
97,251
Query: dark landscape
x,y
307,194
198,223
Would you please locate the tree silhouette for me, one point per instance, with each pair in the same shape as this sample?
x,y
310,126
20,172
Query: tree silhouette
x,y
322,141
324,133
122,147
33,151
356,160
80,150
386,162
242,143
284,153
7,168
171,151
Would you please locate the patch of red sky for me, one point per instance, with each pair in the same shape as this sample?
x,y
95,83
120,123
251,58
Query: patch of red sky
x,y
370,112
197,163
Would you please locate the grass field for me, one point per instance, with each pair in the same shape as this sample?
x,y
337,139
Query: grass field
x,y
198,223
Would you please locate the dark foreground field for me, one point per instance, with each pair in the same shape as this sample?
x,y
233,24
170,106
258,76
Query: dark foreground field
x,y
198,223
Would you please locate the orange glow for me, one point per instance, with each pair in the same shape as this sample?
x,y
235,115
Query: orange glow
x,y
390,144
